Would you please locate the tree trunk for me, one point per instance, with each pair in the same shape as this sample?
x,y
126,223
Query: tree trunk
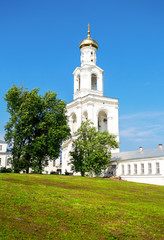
x,y
82,173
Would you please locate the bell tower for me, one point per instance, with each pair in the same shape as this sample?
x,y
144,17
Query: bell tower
x,y
88,79
88,99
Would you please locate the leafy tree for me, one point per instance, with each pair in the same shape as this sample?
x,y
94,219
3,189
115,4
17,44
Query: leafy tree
x,y
91,150
36,128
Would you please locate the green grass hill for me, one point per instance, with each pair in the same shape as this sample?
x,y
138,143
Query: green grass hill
x,y
68,207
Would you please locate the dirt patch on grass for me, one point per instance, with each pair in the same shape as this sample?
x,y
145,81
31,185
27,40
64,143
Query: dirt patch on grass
x,y
63,185
19,181
18,219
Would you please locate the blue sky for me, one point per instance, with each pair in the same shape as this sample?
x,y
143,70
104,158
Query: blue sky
x,y
39,48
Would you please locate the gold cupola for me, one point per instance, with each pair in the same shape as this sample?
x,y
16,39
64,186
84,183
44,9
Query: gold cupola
x,y
88,41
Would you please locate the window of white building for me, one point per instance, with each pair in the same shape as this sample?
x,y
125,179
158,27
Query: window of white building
x,y
123,169
8,161
157,168
135,168
53,163
102,121
46,162
93,82
129,169
78,83
0,161
142,168
0,147
149,168
74,122
85,116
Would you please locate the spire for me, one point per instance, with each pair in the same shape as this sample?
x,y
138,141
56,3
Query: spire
x,y
88,41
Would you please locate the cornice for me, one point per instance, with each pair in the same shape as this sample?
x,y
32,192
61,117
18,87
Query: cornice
x,y
88,67
92,97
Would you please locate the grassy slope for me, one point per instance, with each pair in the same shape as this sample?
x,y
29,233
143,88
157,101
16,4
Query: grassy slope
x,y
67,207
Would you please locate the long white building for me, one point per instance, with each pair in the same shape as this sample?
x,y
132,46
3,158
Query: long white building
x,y
143,165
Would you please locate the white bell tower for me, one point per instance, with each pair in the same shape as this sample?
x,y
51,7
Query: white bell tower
x,y
88,79
88,99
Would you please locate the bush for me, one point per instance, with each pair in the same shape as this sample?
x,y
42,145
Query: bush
x,y
55,173
5,170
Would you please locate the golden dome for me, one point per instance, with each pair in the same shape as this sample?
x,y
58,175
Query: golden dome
x,y
88,41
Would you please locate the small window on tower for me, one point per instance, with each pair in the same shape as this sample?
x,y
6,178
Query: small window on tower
x,y
74,123
93,81
102,121
78,83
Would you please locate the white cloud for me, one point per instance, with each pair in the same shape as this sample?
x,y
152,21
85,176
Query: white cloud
x,y
144,133
143,128
142,115
128,132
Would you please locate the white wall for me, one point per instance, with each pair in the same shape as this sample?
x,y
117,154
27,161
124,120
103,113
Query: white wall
x,y
3,147
146,177
4,156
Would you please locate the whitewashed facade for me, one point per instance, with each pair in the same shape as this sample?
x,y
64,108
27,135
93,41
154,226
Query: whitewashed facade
x,y
5,155
88,99
53,166
143,165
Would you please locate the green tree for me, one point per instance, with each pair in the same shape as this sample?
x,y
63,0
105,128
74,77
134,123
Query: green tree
x,y
36,128
91,150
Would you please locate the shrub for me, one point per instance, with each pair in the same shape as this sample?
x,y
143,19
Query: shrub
x,y
5,170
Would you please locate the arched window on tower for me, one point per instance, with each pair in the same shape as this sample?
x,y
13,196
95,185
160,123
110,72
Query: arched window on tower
x,y
78,83
74,123
93,82
85,116
102,121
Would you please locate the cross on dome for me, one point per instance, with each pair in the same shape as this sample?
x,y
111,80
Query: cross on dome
x,y
89,31
88,41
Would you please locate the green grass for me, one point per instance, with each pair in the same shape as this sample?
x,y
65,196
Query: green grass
x,y
68,207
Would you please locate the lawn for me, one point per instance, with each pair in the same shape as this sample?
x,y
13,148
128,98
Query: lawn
x,y
69,207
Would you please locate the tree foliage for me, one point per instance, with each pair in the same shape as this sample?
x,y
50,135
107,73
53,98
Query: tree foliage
x,y
36,128
91,150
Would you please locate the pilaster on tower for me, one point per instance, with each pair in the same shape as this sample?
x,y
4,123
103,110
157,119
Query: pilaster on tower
x,y
88,79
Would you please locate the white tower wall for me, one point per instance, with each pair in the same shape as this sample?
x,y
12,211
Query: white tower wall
x,y
89,101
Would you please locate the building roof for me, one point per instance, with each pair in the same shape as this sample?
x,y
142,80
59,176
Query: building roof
x,y
146,153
